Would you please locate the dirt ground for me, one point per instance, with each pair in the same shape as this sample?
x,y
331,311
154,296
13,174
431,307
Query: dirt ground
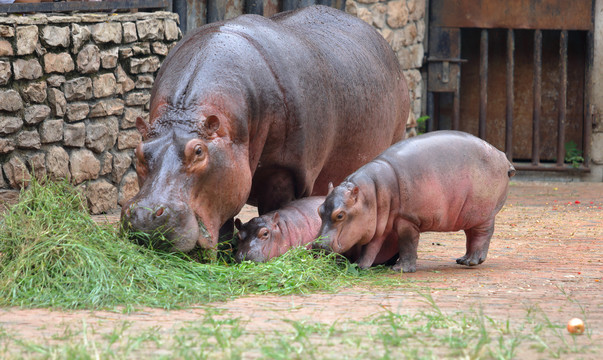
x,y
547,247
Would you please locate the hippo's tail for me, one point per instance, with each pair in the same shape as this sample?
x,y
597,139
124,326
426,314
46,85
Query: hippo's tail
x,y
511,171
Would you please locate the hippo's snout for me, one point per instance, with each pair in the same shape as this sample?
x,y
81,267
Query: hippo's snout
x,y
166,226
322,243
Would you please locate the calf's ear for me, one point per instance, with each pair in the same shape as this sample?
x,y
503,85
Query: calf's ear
x,y
353,196
330,188
275,218
238,224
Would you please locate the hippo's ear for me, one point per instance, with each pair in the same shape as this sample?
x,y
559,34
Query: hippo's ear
x,y
142,126
275,218
238,224
330,188
353,196
211,126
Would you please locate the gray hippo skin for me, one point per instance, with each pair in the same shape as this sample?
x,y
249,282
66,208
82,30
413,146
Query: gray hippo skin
x,y
440,181
262,111
272,234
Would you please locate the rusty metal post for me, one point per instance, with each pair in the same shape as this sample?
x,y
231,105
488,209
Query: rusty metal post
x,y
483,83
254,7
590,109
430,109
510,98
562,98
215,11
288,5
305,3
537,97
456,105
180,8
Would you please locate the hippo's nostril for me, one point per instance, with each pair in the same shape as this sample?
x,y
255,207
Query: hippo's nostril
x,y
159,212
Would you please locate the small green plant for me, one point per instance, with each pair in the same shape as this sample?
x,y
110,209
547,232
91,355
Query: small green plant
x,y
573,155
422,124
426,332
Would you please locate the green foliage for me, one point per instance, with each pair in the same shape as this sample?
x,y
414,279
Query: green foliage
x,y
422,124
573,155
52,254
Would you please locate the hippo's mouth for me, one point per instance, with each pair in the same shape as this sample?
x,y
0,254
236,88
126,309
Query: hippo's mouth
x,y
203,232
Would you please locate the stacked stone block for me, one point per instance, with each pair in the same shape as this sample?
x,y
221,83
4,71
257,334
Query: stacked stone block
x,y
402,24
71,88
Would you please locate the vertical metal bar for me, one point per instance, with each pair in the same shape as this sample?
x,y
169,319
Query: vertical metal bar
x,y
510,89
304,3
456,104
435,121
213,11
537,97
288,5
588,97
562,98
180,8
254,7
430,109
483,83
342,8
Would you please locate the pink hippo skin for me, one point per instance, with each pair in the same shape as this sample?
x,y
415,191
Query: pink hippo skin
x,y
441,181
272,234
261,111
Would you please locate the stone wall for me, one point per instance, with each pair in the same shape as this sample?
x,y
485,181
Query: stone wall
x,y
402,24
71,88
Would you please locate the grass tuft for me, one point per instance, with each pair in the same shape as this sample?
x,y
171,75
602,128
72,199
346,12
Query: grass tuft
x,y
52,254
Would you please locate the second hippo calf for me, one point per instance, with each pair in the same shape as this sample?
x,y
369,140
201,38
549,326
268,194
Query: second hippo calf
x,y
272,234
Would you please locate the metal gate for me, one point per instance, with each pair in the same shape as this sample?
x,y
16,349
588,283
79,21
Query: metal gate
x,y
515,73
195,13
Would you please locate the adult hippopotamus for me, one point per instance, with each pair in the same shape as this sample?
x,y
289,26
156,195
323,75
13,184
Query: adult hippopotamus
x,y
441,181
272,234
263,111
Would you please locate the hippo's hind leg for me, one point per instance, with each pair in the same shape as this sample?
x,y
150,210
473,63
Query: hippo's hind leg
x,y
226,231
408,242
277,190
478,241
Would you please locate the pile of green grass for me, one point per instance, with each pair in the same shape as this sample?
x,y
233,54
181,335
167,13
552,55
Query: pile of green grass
x,y
52,254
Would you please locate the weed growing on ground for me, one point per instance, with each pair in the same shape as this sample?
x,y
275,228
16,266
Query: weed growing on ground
x,y
426,333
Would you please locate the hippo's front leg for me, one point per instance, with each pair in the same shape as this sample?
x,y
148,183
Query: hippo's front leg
x,y
408,242
370,252
478,242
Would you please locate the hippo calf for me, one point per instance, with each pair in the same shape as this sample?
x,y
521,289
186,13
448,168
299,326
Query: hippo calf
x,y
441,181
272,234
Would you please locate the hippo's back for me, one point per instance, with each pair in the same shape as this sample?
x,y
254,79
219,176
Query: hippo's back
x,y
327,83
454,180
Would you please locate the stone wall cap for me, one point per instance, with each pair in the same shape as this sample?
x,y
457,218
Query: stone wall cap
x,y
42,19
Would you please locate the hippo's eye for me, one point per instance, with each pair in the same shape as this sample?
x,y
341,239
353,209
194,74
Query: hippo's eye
x,y
198,150
263,233
339,216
